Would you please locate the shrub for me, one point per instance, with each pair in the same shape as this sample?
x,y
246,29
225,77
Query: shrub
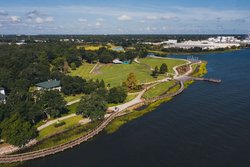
x,y
58,124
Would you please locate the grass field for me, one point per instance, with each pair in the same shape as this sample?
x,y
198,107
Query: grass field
x,y
116,74
158,90
50,130
72,108
90,47
66,136
83,71
158,62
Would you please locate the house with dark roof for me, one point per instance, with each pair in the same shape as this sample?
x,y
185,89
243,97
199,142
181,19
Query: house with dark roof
x,y
49,85
2,96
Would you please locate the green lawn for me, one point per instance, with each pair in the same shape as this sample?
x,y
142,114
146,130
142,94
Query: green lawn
x,y
83,71
90,47
73,97
158,62
66,136
115,74
158,90
72,108
50,130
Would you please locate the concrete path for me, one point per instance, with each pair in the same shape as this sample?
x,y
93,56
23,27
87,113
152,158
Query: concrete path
x,y
54,121
9,148
73,102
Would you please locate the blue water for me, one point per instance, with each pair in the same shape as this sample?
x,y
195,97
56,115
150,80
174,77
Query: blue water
x,y
206,126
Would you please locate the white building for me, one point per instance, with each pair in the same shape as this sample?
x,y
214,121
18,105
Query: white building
x,y
117,61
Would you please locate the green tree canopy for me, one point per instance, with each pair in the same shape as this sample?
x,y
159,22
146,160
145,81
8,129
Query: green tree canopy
x,y
51,103
117,94
163,68
131,82
92,106
17,131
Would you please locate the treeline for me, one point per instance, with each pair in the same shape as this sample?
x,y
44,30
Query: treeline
x,y
21,67
116,39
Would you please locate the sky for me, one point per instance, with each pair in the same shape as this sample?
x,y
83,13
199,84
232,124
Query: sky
x,y
124,17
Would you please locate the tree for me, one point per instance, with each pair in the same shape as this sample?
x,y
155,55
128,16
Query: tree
x,y
117,95
163,68
73,66
58,63
102,84
51,103
155,72
131,82
92,106
17,131
73,85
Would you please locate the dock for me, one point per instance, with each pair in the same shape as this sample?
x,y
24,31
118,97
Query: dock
x,y
208,79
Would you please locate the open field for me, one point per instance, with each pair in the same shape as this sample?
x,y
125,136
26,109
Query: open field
x,y
116,74
158,62
83,71
50,130
158,90
90,47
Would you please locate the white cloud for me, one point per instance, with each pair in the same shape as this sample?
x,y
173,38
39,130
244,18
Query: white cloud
x,y
39,20
124,18
98,24
82,20
15,19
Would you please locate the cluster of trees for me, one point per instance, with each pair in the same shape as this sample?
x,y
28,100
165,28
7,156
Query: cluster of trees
x,y
21,67
94,105
23,110
163,69
105,55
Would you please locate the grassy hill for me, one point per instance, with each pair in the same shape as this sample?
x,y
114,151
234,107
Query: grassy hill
x,y
115,74
158,62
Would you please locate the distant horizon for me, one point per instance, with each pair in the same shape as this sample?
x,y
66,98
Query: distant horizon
x,y
113,34
125,17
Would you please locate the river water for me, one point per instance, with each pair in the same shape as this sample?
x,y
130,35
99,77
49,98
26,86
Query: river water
x,y
208,125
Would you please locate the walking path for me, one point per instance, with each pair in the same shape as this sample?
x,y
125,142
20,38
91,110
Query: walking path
x,y
93,68
118,109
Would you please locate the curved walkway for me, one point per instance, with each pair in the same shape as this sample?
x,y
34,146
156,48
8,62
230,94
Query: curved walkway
x,y
70,144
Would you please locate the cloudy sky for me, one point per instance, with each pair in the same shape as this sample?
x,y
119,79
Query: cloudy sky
x,y
124,16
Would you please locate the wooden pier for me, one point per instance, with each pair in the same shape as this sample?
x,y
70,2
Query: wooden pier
x,y
208,80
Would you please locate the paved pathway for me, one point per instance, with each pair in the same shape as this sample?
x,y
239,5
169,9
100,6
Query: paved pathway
x,y
109,117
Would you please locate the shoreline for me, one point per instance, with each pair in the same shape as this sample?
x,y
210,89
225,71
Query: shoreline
x,y
163,53
152,105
